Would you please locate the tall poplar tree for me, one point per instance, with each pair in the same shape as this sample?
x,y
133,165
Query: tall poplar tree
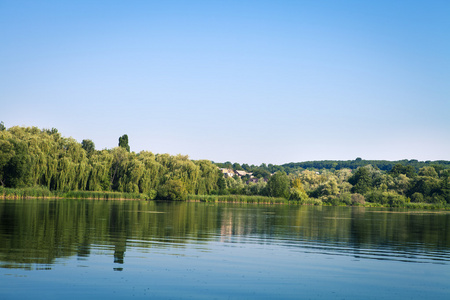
x,y
123,142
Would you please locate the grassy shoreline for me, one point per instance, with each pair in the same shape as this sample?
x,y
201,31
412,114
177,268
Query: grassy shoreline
x,y
44,193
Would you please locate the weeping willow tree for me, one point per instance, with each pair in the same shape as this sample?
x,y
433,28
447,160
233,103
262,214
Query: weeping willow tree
x,y
33,157
99,176
208,177
152,172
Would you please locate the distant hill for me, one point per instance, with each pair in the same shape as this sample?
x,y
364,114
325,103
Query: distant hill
x,y
384,165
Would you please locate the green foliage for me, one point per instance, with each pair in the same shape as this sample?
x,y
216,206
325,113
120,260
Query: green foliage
x,y
297,191
398,169
387,198
6,153
30,156
417,197
88,146
261,173
278,185
26,192
428,171
37,162
357,199
425,185
17,169
238,199
123,142
173,189
357,163
361,181
298,195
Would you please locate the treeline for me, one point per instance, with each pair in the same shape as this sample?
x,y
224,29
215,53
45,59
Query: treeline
x,y
30,157
43,160
402,186
359,182
384,165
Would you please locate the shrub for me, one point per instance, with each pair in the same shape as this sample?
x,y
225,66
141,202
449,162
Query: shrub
x,y
173,189
358,199
387,198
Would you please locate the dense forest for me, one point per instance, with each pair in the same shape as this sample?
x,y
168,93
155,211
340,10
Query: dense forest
x,y
43,159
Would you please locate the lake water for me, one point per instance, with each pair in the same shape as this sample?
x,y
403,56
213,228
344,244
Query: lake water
x,y
85,249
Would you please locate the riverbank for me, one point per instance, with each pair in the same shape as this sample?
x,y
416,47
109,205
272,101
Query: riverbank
x,y
43,193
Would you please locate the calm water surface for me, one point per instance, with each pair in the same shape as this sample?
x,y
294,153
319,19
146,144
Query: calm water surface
x,y
84,249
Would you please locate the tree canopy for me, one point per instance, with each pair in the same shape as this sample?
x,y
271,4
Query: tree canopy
x,y
123,142
31,157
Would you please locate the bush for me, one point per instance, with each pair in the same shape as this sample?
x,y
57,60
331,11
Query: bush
x,y
298,195
358,199
173,189
417,197
387,198
152,194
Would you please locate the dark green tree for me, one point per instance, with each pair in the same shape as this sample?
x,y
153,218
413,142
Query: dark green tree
x,y
6,153
237,166
2,126
278,185
221,185
398,169
361,181
426,185
261,173
123,142
17,170
88,146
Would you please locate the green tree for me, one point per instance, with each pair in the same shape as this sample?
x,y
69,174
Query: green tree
x,y
261,173
402,184
297,192
2,126
119,167
425,185
18,168
237,166
428,171
174,189
100,174
278,185
361,180
88,146
398,169
328,188
6,153
123,142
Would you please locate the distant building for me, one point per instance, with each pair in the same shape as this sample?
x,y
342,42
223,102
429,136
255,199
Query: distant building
x,y
227,172
242,173
230,173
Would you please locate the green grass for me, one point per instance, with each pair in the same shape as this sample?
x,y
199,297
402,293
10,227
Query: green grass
x,y
104,195
239,199
44,192
28,192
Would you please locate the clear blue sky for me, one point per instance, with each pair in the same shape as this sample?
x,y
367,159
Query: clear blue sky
x,y
240,81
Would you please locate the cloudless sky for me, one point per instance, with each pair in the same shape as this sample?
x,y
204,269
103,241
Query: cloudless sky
x,y
241,81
